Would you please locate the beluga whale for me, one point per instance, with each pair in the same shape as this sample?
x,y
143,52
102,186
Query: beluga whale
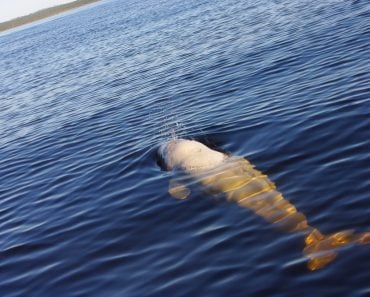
x,y
237,180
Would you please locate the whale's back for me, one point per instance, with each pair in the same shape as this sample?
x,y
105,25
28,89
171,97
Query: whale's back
x,y
190,156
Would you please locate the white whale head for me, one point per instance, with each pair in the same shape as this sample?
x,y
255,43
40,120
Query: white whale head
x,y
189,155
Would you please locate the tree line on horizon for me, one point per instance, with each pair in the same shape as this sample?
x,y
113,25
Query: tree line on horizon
x,y
44,13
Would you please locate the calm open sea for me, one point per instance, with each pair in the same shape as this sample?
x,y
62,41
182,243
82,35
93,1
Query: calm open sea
x,y
86,98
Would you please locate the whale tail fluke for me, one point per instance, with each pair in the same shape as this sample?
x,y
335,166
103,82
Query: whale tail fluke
x,y
321,249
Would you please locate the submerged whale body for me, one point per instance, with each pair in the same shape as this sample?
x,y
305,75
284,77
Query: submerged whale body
x,y
238,180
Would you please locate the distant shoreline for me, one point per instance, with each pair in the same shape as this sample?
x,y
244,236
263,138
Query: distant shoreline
x,y
42,14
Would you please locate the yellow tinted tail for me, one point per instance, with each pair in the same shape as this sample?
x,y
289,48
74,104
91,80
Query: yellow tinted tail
x,y
322,249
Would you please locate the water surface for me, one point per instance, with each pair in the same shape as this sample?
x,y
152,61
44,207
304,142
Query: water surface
x,y
87,98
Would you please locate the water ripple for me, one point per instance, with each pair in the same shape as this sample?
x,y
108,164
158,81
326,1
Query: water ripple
x,y
87,98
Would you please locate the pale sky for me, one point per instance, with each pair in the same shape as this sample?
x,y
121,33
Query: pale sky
x,y
10,9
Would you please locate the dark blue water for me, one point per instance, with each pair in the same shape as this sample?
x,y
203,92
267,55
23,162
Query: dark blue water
x,y
85,100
